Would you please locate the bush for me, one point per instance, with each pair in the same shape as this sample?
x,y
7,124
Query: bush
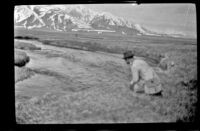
x,y
21,58
26,46
26,37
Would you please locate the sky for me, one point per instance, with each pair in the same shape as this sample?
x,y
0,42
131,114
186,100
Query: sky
x,y
171,18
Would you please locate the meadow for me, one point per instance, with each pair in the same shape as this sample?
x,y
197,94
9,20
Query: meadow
x,y
81,78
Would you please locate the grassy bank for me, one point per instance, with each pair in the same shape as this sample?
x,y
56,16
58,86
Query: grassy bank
x,y
22,73
179,81
25,46
21,58
155,57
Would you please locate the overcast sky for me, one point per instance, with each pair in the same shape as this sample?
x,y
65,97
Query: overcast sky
x,y
158,17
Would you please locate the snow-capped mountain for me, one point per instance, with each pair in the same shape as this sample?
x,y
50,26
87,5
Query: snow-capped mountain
x,y
73,17
68,17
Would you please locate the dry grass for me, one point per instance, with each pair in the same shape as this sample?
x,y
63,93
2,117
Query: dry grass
x,y
32,111
25,46
178,103
22,73
151,54
21,58
179,84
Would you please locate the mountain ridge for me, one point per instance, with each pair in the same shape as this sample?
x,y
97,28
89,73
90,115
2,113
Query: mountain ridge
x,y
75,17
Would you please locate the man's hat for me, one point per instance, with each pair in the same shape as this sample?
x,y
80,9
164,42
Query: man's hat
x,y
128,54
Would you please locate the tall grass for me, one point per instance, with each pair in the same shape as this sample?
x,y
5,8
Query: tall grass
x,y
140,51
26,46
180,86
42,110
179,82
22,73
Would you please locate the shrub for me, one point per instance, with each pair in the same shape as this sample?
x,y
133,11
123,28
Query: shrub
x,y
26,46
21,58
26,37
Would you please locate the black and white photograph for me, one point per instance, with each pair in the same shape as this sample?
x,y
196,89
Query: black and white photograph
x,y
105,63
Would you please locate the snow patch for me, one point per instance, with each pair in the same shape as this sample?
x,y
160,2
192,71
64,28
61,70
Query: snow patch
x,y
34,26
21,13
59,18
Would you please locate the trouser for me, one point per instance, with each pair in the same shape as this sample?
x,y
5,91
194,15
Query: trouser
x,y
139,87
147,87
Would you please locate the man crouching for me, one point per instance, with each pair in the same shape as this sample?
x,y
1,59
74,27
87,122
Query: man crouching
x,y
144,78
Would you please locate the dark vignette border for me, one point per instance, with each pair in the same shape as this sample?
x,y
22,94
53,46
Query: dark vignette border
x,y
8,92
